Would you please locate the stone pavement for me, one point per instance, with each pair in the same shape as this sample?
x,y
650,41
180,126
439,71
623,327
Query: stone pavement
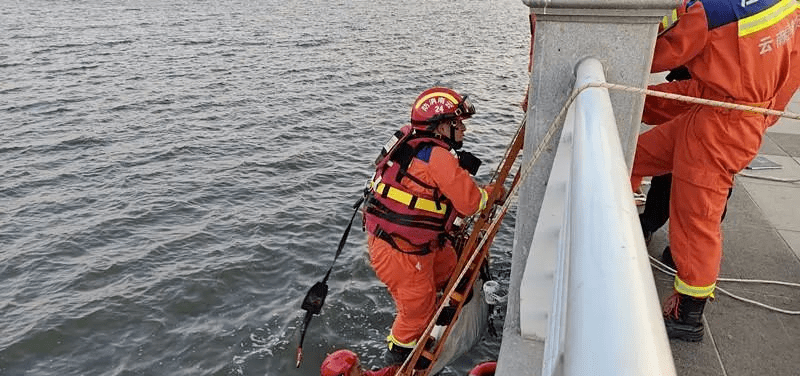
x,y
761,241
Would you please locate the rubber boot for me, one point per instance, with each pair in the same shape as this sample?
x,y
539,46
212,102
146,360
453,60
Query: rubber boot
x,y
683,317
656,207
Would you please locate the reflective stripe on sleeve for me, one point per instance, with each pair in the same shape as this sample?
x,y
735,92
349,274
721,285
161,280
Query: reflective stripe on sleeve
x,y
669,20
484,200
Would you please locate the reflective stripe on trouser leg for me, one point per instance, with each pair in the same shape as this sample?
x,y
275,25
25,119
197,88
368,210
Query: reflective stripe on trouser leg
x,y
697,292
394,342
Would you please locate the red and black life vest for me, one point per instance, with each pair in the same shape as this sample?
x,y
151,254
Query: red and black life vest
x,y
390,210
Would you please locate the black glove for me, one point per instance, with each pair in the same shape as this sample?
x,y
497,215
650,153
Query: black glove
x,y
468,162
678,74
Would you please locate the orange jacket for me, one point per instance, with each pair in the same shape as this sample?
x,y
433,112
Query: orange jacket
x,y
443,171
742,54
415,198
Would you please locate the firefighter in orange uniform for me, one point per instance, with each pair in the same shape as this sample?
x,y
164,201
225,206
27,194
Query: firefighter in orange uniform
x,y
736,51
421,188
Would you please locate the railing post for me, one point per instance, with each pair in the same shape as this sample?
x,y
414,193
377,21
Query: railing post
x,y
621,34
613,320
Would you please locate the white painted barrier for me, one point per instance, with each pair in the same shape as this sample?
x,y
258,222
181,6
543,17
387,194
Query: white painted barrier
x,y
588,261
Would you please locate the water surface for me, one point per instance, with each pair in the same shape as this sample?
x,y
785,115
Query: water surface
x,y
176,175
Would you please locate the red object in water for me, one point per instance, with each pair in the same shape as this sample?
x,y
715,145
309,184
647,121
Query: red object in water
x,y
484,369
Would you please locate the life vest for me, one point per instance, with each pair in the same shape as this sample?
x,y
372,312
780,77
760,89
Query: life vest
x,y
390,210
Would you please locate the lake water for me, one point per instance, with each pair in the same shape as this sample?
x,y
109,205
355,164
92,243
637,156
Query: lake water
x,y
175,175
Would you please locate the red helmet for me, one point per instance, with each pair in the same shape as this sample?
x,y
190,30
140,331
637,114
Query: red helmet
x,y
438,104
338,363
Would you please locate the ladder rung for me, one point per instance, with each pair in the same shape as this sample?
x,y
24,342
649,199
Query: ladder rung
x,y
457,296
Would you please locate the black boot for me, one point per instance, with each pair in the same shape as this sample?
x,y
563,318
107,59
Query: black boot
x,y
683,317
396,354
666,258
648,236
656,207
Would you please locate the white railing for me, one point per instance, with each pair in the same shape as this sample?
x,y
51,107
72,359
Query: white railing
x,y
588,261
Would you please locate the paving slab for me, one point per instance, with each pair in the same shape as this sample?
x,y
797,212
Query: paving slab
x,y
785,125
754,341
789,170
794,104
788,142
770,147
792,239
778,203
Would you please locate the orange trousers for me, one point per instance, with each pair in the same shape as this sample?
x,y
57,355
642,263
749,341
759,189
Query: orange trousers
x,y
412,281
703,147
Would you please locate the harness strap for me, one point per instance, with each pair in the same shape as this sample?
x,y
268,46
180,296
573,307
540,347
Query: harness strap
x,y
383,235
377,208
404,173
